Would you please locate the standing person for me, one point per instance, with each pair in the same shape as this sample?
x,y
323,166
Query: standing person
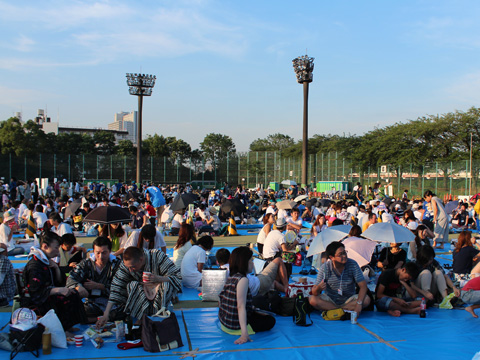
x,y
154,195
34,191
440,220
235,305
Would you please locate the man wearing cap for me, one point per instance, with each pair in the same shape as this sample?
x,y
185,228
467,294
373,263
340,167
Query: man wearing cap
x,y
271,208
63,188
275,241
6,233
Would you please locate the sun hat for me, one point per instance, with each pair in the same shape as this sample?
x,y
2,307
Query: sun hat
x,y
281,222
9,215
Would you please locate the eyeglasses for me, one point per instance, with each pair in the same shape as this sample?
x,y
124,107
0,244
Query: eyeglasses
x,y
343,253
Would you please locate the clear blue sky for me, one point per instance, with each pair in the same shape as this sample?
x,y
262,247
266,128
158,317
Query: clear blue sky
x,y
225,66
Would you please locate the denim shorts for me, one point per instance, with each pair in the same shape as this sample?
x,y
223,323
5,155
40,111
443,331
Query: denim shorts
x,y
383,303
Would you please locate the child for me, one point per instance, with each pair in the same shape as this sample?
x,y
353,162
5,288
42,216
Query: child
x,y
389,291
69,254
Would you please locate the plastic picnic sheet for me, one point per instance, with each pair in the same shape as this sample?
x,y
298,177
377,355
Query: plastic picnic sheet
x,y
444,334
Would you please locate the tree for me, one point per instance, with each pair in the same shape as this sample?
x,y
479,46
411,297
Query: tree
x,y
275,142
178,150
156,146
104,142
125,148
217,147
12,137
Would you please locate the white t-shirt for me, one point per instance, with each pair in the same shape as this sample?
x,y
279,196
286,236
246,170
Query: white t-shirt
x,y
40,219
262,235
63,228
177,221
362,218
179,254
353,210
273,243
387,218
4,233
166,215
191,277
282,214
133,240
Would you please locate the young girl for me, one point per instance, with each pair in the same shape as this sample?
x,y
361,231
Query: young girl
x,y
235,304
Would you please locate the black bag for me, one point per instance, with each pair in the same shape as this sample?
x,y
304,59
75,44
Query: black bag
x,y
29,340
301,309
160,332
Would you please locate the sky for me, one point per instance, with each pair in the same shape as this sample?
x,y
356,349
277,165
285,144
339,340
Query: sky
x,y
225,66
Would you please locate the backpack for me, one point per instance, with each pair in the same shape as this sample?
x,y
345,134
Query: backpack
x,y
301,309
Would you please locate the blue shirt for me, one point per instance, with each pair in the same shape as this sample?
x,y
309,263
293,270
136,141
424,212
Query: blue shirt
x,y
156,196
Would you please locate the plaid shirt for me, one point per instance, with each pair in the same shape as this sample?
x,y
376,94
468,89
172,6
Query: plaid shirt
x,y
7,279
227,312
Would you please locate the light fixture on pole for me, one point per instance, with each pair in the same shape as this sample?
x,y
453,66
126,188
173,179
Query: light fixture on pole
x,y
303,66
140,85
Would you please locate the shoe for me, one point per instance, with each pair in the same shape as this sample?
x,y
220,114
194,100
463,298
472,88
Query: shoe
x,y
304,272
313,272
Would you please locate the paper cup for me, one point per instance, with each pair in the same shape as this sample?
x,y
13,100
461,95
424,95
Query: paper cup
x,y
146,275
78,340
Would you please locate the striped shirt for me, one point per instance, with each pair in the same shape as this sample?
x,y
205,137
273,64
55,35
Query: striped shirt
x,y
7,279
228,312
346,281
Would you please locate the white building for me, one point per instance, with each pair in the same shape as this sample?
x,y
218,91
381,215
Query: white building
x,y
126,122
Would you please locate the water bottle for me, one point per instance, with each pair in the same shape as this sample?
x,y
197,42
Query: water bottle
x,y
423,308
46,342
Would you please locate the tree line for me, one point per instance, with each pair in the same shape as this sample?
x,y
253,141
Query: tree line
x,y
430,138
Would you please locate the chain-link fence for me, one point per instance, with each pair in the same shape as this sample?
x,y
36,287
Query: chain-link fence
x,y
249,169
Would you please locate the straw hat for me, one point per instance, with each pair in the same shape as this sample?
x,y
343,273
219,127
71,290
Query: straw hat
x,y
9,215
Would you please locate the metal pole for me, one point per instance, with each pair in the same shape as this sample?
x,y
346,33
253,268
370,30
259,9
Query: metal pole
x,y
97,167
266,166
40,167
139,139
322,169
248,164
228,164
316,166
83,165
125,168
151,169
336,166
398,175
164,169
451,175
69,178
471,174
410,188
190,171
328,166
305,135
10,164
25,167
466,179
256,169
423,180
54,165
111,166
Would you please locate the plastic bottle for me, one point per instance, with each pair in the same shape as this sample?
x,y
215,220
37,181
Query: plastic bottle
x,y
46,342
128,328
298,259
423,308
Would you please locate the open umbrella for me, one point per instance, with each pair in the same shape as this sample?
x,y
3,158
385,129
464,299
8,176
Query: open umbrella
x,y
451,205
325,202
389,233
311,202
324,238
108,215
403,205
182,201
288,182
300,198
360,250
72,208
286,204
234,205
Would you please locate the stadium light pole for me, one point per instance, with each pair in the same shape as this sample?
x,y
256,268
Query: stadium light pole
x,y
303,66
140,85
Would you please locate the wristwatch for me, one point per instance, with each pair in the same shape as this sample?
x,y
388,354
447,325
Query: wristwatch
x,y
359,302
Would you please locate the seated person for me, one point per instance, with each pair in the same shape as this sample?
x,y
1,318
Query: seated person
x,y
470,294
69,254
372,219
148,238
465,255
138,217
43,278
389,290
294,222
145,281
117,235
6,233
40,217
337,278
235,305
273,276
186,239
193,262
392,257
92,278
55,224
275,242
461,218
7,278
432,282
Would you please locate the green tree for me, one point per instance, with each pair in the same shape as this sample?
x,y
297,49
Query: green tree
x,y
12,137
275,142
104,142
126,148
217,147
155,146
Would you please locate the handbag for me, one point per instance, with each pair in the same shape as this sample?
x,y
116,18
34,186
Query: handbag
x,y
213,281
160,332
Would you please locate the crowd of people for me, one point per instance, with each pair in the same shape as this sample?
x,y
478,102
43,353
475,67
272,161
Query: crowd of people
x,y
128,272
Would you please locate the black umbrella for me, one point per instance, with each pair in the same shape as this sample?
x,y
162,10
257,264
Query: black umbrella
x,y
234,205
309,203
108,215
325,202
402,204
182,201
72,208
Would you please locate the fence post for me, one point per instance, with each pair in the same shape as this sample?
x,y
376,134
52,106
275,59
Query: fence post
x,y
451,175
228,164
125,167
322,168
316,167
336,166
248,164
238,171
25,167
436,177
178,170
151,169
266,167
466,177
423,180
54,165
83,166
111,166
328,166
410,188
190,171
69,178
256,169
39,168
164,169
399,184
